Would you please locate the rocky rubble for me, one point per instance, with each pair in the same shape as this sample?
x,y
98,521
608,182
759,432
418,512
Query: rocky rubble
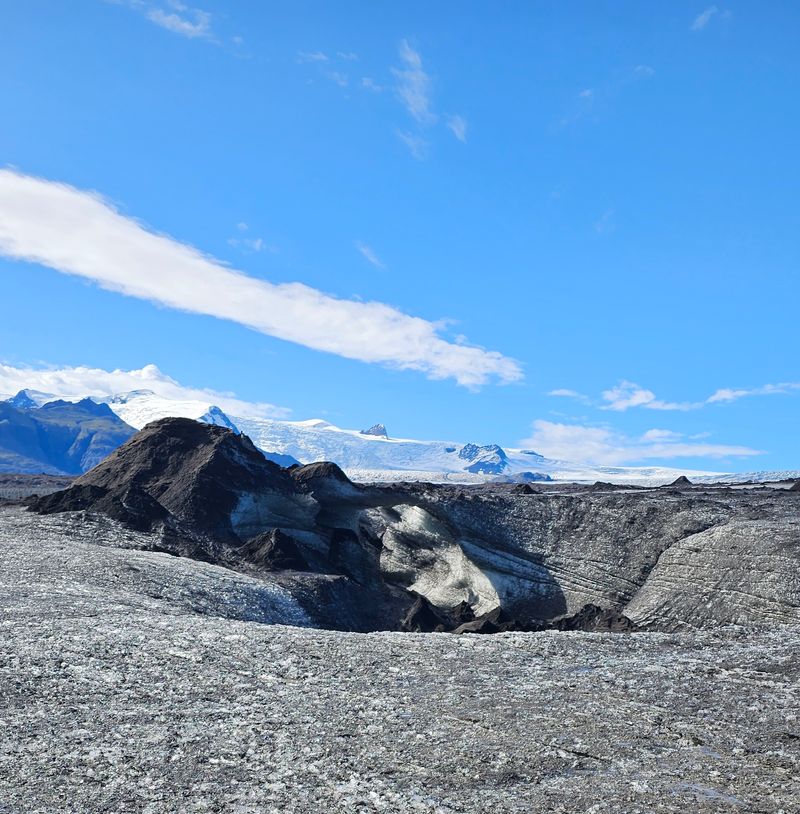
x,y
131,683
483,559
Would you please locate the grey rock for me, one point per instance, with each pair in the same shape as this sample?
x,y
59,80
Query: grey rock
x,y
378,430
487,460
650,558
134,682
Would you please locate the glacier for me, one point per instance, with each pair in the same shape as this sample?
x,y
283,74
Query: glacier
x,y
371,456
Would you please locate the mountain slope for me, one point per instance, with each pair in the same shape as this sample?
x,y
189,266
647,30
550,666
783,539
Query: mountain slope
x,y
59,438
140,407
373,456
427,557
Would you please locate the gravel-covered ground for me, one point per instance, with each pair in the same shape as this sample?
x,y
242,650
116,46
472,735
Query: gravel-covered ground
x,y
129,683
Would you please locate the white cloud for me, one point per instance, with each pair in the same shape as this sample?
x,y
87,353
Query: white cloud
x,y
595,103
347,56
458,126
661,435
727,394
311,56
565,392
326,64
79,233
190,22
418,146
369,254
627,394
173,15
78,382
338,77
413,86
603,446
704,18
252,244
370,84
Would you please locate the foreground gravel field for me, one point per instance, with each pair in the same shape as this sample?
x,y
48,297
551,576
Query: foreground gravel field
x,y
128,685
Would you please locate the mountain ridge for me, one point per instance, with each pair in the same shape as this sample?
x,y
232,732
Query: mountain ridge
x,y
58,438
367,456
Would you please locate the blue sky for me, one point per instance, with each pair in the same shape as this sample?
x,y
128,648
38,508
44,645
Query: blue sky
x,y
482,210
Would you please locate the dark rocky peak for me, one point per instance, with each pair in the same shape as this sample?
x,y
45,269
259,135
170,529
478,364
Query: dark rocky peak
x,y
605,486
681,481
796,487
322,470
486,460
326,482
273,550
23,400
84,407
378,430
524,489
208,477
469,452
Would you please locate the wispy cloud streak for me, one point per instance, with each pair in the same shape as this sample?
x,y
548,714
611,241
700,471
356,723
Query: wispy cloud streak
x,y
627,395
728,394
79,233
704,18
607,447
369,255
175,16
458,127
413,85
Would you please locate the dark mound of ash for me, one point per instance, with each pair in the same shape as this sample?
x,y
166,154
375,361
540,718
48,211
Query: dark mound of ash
x,y
423,557
423,617
312,473
524,489
204,476
604,486
681,481
595,619
273,551
134,507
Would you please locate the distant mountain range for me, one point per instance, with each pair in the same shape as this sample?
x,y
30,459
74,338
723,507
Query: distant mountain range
x,y
57,437
40,433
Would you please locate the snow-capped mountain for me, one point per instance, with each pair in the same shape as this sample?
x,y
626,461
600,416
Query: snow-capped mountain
x,y
376,458
376,429
30,399
373,456
140,407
